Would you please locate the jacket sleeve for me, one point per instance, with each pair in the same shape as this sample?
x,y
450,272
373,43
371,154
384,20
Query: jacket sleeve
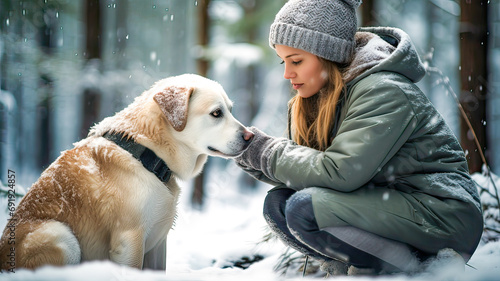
x,y
259,175
378,121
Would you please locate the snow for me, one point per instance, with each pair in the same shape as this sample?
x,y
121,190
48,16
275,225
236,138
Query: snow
x,y
228,11
204,244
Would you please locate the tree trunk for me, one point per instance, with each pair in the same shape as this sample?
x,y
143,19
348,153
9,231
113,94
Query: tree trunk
x,y
93,29
367,13
203,39
93,35
474,73
121,33
203,34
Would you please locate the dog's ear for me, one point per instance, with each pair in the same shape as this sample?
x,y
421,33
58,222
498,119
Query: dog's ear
x,y
173,102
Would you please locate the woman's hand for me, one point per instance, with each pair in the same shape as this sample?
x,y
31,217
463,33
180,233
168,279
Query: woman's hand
x,y
254,160
252,156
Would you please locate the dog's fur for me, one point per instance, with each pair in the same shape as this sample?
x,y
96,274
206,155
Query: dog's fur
x,y
97,201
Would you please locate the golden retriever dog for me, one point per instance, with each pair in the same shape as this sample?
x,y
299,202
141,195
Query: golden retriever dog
x,y
114,195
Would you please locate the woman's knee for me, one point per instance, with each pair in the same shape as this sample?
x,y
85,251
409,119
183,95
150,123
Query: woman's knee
x,y
274,204
299,212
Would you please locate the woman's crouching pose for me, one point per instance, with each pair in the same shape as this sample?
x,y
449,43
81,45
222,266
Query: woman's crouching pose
x,y
371,176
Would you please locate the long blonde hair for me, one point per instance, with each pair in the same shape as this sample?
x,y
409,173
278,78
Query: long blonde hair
x,y
313,118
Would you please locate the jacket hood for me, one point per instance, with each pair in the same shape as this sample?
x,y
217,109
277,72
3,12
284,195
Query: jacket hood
x,y
384,49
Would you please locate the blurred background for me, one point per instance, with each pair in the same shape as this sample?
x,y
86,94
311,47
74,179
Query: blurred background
x,y
66,64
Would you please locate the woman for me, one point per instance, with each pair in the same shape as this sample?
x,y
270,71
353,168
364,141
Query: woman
x,y
372,177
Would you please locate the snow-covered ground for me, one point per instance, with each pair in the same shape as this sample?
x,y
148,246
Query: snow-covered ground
x,y
204,245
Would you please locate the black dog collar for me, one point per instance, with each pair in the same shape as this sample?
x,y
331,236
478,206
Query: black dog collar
x,y
146,156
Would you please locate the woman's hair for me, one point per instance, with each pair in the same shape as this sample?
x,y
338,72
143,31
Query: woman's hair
x,y
313,118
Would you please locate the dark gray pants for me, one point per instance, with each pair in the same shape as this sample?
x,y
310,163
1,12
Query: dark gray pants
x,y
290,215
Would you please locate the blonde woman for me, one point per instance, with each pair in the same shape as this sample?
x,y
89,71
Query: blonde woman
x,y
372,179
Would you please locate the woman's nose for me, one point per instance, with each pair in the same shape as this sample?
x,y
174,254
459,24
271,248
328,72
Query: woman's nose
x,y
289,74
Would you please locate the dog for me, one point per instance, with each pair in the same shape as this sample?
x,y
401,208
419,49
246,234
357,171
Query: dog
x,y
114,195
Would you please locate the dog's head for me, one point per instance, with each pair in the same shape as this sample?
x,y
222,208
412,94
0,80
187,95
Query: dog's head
x,y
199,111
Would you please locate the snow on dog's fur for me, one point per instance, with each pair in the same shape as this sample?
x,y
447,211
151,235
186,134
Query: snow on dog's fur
x,y
97,201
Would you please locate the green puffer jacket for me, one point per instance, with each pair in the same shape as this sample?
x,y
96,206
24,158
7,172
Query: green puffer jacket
x,y
388,133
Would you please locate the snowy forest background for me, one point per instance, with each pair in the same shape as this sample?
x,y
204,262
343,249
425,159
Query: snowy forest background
x,y
66,64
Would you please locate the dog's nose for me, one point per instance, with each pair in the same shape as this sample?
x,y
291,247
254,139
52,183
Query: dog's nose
x,y
248,135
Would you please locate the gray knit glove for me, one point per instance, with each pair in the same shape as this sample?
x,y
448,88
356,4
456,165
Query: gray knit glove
x,y
255,159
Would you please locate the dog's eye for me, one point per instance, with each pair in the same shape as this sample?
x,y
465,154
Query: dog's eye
x,y
216,113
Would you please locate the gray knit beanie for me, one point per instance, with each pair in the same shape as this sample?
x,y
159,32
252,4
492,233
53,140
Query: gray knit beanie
x,y
324,28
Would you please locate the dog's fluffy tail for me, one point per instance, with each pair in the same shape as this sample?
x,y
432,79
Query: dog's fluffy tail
x,y
48,243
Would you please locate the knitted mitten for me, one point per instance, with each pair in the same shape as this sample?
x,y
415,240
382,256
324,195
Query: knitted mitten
x,y
257,155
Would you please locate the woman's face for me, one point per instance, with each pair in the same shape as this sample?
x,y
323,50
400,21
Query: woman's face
x,y
303,69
